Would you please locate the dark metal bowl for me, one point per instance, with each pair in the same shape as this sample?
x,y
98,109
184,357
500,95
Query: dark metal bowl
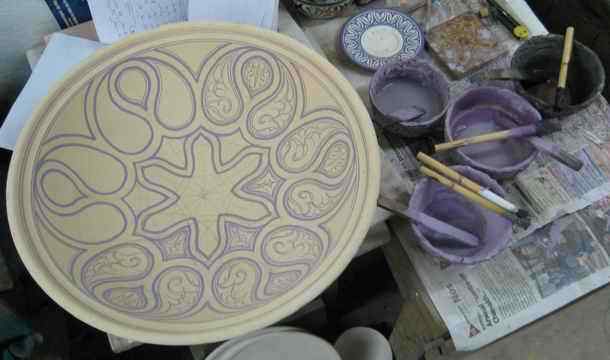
x,y
586,76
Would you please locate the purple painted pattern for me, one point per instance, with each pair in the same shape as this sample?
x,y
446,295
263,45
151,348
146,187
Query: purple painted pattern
x,y
195,189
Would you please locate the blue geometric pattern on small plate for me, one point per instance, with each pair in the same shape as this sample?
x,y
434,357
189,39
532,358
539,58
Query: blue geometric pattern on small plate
x,y
375,37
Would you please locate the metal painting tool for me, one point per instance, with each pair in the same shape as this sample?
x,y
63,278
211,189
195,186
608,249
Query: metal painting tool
x,y
532,75
472,186
518,30
464,238
561,96
540,128
459,187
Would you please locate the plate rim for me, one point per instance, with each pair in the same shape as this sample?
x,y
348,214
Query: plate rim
x,y
81,310
393,10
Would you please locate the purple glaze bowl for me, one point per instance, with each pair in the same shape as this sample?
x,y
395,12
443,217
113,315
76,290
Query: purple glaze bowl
x,y
432,198
488,109
420,73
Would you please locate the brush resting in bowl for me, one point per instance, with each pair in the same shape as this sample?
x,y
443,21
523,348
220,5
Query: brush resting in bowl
x,y
438,201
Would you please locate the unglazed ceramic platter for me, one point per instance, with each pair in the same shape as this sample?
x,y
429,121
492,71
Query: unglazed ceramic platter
x,y
378,36
193,183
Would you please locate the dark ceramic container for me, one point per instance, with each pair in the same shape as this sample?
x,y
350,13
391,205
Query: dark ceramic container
x,y
586,76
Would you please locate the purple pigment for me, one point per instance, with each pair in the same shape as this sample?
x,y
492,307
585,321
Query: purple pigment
x,y
400,90
482,120
404,93
484,109
434,199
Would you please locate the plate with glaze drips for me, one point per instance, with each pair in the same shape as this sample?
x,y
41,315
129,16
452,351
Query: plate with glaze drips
x,y
375,37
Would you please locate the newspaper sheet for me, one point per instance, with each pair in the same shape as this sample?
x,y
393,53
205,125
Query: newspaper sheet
x,y
561,257
538,274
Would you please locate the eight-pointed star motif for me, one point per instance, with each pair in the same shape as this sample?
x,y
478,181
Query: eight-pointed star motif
x,y
202,192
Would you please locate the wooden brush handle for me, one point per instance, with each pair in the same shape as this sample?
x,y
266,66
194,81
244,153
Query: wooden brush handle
x,y
566,57
494,136
468,194
474,196
449,172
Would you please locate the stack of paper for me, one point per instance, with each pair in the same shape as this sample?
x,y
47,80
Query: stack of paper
x,y
261,13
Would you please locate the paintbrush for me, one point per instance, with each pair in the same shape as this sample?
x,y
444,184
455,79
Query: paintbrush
x,y
472,186
561,98
459,187
540,128
549,148
463,238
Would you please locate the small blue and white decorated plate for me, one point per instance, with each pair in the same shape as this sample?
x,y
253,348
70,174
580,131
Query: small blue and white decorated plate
x,y
377,36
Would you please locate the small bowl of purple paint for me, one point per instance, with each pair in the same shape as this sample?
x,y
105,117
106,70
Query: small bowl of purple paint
x,y
409,97
436,200
488,109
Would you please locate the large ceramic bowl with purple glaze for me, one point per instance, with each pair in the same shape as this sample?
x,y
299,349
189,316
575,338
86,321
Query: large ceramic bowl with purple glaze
x,y
401,87
432,198
488,109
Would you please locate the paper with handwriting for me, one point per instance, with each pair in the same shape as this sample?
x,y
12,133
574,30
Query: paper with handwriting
x,y
115,19
261,13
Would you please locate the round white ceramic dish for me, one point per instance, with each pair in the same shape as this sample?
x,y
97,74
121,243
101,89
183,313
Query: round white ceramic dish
x,y
225,350
363,343
375,37
282,345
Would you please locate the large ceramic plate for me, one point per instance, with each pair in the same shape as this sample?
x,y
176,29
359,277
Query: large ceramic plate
x,y
193,183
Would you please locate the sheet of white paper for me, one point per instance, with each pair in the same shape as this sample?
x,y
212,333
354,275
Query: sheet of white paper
x,y
115,19
260,13
62,53
521,10
276,15
270,18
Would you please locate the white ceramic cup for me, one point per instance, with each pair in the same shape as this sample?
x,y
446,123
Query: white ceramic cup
x,y
362,343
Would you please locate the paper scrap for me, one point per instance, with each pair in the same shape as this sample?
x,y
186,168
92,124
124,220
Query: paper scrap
x,y
261,13
115,19
62,53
